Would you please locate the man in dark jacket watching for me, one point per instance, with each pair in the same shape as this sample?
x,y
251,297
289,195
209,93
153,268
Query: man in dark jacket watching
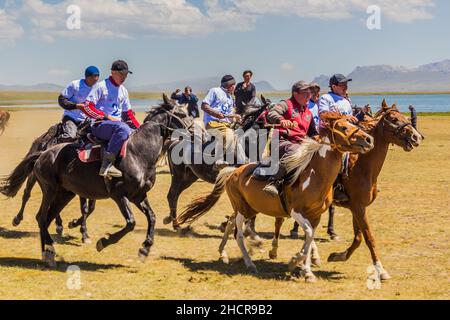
x,y
187,97
245,92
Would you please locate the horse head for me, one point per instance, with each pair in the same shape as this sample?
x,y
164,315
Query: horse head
x,y
397,129
344,135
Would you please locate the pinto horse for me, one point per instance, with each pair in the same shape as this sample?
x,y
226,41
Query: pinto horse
x,y
312,170
61,176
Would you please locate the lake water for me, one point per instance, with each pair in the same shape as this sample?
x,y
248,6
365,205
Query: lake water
x,y
422,102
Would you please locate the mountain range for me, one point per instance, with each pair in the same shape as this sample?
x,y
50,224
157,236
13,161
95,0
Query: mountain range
x,y
385,78
430,77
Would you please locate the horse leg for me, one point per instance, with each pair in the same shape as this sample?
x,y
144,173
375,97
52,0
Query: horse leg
x,y
31,181
179,183
315,257
240,241
231,223
294,231
125,210
51,207
85,211
59,226
251,233
274,252
330,228
146,209
305,252
87,207
344,256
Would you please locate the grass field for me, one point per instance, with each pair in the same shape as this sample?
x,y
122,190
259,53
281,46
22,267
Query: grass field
x,y
410,220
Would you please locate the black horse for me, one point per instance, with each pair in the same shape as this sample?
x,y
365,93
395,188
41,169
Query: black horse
x,y
47,140
61,176
184,175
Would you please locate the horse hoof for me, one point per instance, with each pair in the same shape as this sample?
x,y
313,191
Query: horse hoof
x,y
334,237
224,258
143,254
87,240
310,278
167,220
273,255
60,231
292,265
100,246
252,269
48,257
72,224
385,276
16,221
337,257
294,234
316,262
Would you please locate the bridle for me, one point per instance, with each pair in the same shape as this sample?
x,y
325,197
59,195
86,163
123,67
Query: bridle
x,y
334,131
396,128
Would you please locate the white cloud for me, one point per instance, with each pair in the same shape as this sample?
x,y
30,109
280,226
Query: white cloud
x,y
126,19
287,66
10,30
132,18
398,11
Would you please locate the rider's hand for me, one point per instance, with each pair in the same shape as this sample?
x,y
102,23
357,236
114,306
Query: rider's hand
x,y
287,124
237,118
220,116
80,106
353,119
111,118
178,90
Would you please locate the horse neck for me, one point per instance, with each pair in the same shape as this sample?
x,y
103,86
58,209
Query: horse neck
x,y
372,162
326,164
147,142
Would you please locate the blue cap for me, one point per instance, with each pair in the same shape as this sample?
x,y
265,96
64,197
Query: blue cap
x,y
91,71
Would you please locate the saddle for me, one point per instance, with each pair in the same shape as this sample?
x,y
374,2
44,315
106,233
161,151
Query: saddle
x,y
92,149
262,171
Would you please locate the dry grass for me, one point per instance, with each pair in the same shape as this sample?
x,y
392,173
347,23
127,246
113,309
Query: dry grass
x,y
410,220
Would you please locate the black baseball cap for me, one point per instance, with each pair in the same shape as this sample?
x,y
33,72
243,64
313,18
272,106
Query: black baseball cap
x,y
120,66
338,79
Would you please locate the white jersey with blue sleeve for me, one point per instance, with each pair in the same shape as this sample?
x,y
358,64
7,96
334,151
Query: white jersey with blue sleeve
x,y
222,101
77,91
312,106
335,103
110,99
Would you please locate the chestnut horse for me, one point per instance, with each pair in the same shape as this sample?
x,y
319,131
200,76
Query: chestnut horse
x,y
388,126
312,170
4,118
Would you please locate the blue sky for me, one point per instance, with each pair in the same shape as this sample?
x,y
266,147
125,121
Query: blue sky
x,y
281,41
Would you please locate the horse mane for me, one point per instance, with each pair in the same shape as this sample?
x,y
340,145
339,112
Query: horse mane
x,y
297,162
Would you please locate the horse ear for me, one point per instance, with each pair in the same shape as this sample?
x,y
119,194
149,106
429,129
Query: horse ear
x,y
263,99
394,106
384,104
167,103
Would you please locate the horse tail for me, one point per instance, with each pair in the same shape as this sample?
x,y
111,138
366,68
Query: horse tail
x,y
201,206
10,185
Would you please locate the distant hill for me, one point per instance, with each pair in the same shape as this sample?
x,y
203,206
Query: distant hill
x,y
386,78
198,85
41,87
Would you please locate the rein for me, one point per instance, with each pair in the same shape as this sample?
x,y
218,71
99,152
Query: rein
x,y
334,131
395,128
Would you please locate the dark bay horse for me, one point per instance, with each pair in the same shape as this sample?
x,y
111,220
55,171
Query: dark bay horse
x,y
61,176
184,175
9,189
308,191
388,126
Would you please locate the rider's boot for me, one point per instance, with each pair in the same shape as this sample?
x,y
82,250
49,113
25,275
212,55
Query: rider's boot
x,y
108,169
275,182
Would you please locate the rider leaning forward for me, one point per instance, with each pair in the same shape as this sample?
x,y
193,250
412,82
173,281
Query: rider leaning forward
x,y
296,122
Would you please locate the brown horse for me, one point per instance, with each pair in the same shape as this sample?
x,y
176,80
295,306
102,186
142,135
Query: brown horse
x,y
389,126
307,192
4,118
